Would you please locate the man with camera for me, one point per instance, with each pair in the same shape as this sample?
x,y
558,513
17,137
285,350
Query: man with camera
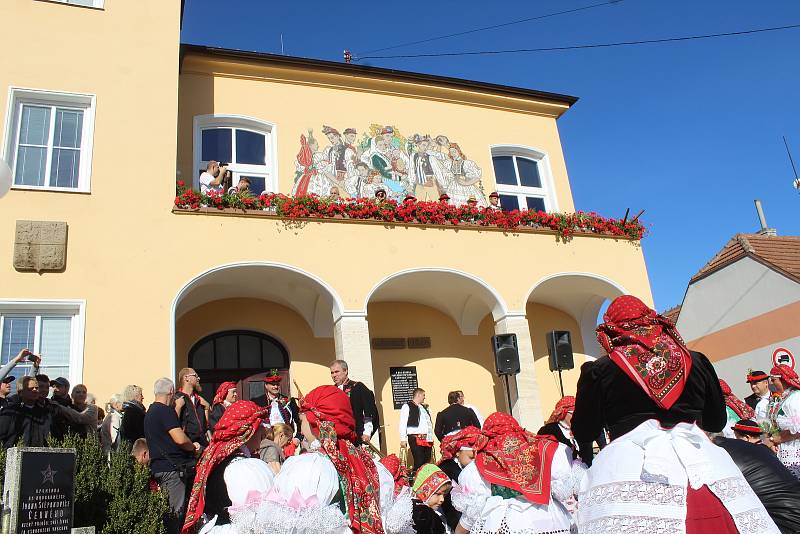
x,y
211,181
172,453
5,388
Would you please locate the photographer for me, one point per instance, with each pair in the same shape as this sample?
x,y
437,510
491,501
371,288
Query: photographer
x,y
211,181
172,453
24,418
6,380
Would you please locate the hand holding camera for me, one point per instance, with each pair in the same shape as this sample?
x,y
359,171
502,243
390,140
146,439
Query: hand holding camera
x,y
26,353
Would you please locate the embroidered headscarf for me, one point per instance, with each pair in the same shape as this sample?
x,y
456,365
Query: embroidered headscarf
x,y
428,481
566,404
787,374
328,410
735,403
646,346
508,455
398,471
222,392
466,438
233,430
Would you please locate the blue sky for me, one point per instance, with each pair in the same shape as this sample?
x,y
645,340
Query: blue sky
x,y
690,132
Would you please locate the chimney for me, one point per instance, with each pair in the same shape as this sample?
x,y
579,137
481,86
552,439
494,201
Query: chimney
x,y
763,220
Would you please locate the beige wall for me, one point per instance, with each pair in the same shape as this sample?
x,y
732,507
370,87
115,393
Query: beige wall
x,y
452,362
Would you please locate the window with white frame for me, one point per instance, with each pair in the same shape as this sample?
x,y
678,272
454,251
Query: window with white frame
x,y
245,144
522,176
50,138
53,330
85,3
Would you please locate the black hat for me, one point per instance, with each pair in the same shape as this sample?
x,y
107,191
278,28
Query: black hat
x,y
60,381
748,426
9,379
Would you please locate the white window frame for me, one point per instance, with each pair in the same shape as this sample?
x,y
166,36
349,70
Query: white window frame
x,y
269,171
546,192
94,4
17,97
76,309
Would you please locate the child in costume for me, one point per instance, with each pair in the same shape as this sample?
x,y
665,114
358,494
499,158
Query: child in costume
x,y
431,485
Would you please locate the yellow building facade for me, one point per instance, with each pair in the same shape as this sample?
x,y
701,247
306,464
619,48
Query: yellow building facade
x,y
98,126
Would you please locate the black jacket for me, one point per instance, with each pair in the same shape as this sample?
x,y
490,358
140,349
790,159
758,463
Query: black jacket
x,y
132,426
31,424
452,469
362,401
776,487
607,397
426,520
193,419
454,417
752,400
261,400
61,427
216,413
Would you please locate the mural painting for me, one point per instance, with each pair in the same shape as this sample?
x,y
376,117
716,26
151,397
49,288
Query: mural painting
x,y
349,166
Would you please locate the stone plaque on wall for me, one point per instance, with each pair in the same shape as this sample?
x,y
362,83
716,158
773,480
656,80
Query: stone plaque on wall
x,y
404,382
40,246
419,342
388,343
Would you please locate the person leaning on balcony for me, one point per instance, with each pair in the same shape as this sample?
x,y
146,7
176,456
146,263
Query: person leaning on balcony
x,y
241,188
494,201
211,179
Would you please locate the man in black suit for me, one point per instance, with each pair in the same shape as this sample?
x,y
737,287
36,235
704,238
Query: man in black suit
x,y
759,383
365,412
454,417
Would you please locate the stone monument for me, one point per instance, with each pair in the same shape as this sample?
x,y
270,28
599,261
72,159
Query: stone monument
x,y
38,494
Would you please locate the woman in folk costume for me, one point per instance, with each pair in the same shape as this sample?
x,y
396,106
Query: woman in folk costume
x,y
517,483
335,488
660,473
783,411
735,409
559,424
226,475
458,451
226,395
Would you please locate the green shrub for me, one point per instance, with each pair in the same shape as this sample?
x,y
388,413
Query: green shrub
x,y
113,495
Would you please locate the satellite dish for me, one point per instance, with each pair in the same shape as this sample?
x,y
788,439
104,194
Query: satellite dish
x,y
5,178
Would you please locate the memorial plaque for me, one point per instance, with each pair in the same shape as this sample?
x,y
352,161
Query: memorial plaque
x,y
388,343
404,382
39,490
419,343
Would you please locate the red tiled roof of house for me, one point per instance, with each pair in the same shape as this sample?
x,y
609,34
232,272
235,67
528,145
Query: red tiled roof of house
x,y
781,253
672,313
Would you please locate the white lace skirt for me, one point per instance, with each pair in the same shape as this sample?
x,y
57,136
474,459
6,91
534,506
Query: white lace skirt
x,y
638,484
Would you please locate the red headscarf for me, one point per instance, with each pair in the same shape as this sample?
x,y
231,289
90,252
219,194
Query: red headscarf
x,y
398,471
566,404
787,374
646,346
466,437
233,430
510,456
222,392
328,410
735,403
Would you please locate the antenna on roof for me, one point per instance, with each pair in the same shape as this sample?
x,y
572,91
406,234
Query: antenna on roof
x,y
763,220
789,153
282,45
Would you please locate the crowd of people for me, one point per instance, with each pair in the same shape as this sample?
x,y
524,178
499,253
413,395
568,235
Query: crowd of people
x,y
652,441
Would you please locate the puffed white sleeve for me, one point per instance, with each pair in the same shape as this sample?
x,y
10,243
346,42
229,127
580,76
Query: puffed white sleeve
x,y
562,481
791,419
395,510
245,476
403,422
470,495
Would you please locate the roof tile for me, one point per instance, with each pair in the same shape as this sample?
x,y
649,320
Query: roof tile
x,y
780,252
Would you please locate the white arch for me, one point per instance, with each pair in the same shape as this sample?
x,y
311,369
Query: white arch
x,y
582,303
467,311
323,287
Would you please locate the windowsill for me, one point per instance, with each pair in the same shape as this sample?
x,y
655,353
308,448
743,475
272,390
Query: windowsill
x,y
50,189
93,8
269,214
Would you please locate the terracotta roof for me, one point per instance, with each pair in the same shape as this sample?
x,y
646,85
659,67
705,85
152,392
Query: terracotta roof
x,y
672,313
781,253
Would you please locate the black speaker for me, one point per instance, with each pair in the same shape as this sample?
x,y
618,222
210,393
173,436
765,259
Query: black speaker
x,y
559,345
506,355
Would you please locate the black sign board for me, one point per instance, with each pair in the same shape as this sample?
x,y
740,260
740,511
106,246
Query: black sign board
x,y
46,492
404,381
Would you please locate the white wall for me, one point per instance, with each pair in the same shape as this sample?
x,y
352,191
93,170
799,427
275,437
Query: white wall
x,y
733,370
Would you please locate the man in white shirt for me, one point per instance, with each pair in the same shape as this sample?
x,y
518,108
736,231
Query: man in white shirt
x,y
416,430
211,179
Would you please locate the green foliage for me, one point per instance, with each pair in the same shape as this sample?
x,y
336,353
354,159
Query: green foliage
x,y
113,494
2,467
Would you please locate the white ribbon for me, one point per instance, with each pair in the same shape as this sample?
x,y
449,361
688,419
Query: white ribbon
x,y
685,442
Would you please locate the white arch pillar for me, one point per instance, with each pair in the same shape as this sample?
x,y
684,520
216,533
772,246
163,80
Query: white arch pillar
x,y
351,338
526,404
